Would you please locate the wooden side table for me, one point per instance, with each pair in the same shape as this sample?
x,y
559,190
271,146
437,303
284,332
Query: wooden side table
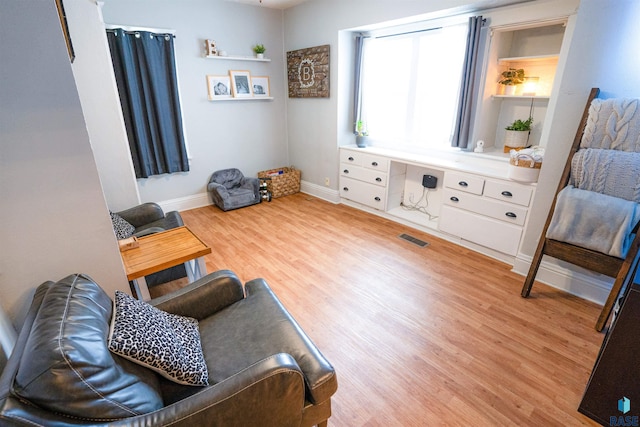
x,y
163,250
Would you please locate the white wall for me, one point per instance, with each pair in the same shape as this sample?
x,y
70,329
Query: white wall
x,y
54,220
96,85
249,135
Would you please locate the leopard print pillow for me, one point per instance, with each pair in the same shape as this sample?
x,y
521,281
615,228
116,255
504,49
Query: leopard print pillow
x,y
165,342
121,227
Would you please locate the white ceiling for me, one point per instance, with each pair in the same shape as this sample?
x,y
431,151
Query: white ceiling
x,y
273,4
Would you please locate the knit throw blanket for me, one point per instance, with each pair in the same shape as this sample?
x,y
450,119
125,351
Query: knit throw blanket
x,y
613,124
594,221
612,172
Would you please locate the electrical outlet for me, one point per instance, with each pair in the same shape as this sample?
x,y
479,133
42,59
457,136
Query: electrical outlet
x,y
327,182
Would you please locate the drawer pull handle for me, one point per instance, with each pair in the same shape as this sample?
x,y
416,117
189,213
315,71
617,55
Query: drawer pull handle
x,y
454,199
463,184
377,199
507,194
379,179
346,188
350,159
511,215
346,171
374,163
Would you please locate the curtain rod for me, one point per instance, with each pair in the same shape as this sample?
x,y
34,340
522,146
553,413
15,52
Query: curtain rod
x,y
132,28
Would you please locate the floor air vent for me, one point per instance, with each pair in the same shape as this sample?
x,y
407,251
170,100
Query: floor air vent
x,y
413,240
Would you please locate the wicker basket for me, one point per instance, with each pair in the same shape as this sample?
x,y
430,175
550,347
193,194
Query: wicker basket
x,y
524,168
283,182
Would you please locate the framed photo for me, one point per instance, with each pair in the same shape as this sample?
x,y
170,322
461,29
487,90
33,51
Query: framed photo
x,y
241,84
65,29
260,86
218,87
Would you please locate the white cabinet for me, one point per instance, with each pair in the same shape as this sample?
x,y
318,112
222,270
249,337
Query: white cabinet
x,y
363,178
487,212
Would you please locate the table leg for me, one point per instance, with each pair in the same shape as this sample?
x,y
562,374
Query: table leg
x,y
196,268
141,289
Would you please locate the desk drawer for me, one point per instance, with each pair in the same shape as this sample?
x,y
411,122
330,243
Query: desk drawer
x,y
367,175
508,192
464,182
484,206
494,234
362,192
351,157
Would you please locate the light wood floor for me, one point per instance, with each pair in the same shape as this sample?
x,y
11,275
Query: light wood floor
x,y
418,336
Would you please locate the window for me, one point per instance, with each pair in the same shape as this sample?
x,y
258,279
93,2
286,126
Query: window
x,y
410,86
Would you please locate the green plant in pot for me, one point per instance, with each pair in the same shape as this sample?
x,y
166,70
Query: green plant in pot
x,y
259,50
511,78
517,134
361,134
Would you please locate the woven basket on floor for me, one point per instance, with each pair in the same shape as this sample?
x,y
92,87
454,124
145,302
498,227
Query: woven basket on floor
x,y
283,182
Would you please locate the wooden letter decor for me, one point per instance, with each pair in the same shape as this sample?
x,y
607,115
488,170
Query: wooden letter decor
x,y
308,72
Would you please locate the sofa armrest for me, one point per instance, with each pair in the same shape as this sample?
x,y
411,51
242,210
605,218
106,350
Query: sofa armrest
x,y
269,393
251,183
203,297
142,214
219,188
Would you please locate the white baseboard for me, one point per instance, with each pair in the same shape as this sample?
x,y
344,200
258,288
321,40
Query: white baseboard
x,y
186,203
592,287
320,192
584,285
203,199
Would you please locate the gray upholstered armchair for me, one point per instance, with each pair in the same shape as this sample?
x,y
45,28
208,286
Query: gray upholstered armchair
x,y
263,370
230,189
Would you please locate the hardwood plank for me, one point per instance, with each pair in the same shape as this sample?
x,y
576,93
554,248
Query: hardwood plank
x,y
418,336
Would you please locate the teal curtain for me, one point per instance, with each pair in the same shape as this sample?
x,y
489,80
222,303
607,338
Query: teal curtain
x,y
144,66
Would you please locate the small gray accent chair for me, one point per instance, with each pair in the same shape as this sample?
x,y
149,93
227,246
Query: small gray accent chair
x,y
230,189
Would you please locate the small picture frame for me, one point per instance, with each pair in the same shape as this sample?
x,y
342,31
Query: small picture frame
x,y
219,87
241,84
260,86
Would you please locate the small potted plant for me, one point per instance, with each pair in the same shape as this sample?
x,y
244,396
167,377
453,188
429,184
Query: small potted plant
x,y
510,79
361,134
259,50
517,134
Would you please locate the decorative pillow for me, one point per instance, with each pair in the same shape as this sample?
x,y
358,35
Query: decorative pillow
x,y
66,366
164,342
121,227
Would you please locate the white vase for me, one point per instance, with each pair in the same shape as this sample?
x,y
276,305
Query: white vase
x,y
516,138
260,55
510,90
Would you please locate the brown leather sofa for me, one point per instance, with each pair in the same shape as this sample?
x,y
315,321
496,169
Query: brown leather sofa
x,y
263,369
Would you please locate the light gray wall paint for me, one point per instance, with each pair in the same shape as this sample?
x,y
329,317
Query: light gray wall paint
x,y
317,127
54,220
249,135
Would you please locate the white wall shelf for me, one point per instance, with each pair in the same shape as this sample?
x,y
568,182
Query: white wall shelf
x,y
255,98
238,58
535,58
522,96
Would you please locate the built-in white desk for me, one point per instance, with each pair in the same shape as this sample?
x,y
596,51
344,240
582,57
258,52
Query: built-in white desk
x,y
474,202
